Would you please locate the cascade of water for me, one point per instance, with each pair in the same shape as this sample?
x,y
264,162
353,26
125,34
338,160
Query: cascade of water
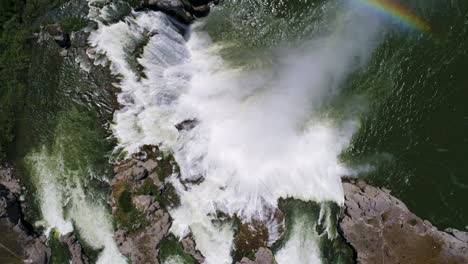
x,y
260,134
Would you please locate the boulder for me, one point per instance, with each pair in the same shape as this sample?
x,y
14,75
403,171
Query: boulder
x,y
381,229
61,37
190,248
187,125
142,202
263,256
75,248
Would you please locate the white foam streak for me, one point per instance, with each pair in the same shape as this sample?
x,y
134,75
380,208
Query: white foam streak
x,y
59,188
95,226
50,193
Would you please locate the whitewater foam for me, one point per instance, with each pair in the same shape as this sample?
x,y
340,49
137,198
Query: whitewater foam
x,y
301,247
261,134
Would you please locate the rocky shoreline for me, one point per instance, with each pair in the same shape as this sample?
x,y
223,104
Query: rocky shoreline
x,y
378,226
381,229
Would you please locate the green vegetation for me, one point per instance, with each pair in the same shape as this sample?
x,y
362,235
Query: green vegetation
x,y
127,217
166,167
72,24
170,247
125,201
149,188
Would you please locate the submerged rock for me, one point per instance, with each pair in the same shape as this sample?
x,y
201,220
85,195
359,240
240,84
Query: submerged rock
x,y
187,125
381,229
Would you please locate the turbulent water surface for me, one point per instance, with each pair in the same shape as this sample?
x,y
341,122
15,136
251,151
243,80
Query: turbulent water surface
x,y
288,97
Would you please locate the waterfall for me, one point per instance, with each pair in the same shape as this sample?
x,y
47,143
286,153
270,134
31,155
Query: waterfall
x,y
261,132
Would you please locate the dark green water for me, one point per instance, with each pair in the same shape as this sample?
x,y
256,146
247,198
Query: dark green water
x,y
415,131
66,111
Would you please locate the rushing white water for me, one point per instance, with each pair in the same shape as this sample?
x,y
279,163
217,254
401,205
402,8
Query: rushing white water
x,y
261,135
59,188
301,246
50,192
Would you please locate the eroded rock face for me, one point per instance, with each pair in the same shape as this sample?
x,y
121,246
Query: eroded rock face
x,y
381,229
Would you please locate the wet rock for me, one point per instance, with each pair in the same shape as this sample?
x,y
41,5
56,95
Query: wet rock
x,y
381,229
185,11
75,248
150,165
18,239
187,125
139,173
263,256
245,260
249,238
175,8
61,37
9,206
142,246
462,236
9,181
190,248
201,11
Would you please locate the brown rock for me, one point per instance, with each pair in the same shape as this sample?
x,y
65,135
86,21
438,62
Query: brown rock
x,y
142,246
142,202
18,241
263,256
382,230
190,248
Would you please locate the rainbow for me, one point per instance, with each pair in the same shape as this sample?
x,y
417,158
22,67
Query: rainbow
x,y
399,12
